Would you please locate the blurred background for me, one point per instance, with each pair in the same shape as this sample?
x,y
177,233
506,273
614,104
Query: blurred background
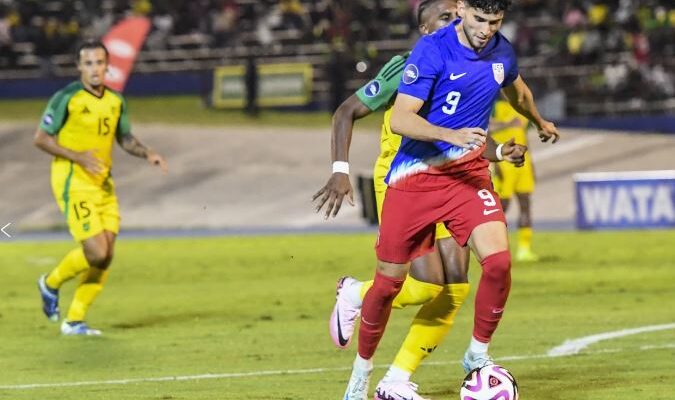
x,y
264,75
589,57
238,96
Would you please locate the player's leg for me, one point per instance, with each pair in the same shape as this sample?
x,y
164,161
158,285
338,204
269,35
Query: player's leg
x,y
524,189
423,284
475,217
91,283
432,322
489,241
406,232
99,251
525,252
83,221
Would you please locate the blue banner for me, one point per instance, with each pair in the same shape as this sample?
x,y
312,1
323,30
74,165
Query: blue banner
x,y
625,200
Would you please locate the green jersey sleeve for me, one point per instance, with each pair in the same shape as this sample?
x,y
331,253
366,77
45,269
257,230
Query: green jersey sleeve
x,y
123,125
56,113
380,91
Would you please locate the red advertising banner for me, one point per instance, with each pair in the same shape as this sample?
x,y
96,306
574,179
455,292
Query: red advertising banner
x,y
123,42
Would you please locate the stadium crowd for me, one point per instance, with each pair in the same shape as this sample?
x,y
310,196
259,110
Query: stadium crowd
x,y
634,40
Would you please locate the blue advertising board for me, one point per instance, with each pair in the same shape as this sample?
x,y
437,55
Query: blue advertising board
x,y
625,200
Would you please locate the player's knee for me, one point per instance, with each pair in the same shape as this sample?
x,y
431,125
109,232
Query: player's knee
x,y
387,287
97,257
497,266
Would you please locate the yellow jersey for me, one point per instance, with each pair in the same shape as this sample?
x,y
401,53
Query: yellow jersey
x,y
503,112
83,121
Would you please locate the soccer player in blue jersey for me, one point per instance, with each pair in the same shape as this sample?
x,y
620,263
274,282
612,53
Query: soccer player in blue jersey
x,y
449,85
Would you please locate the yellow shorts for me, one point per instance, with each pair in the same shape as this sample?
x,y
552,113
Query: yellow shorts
x,y
513,179
88,210
379,173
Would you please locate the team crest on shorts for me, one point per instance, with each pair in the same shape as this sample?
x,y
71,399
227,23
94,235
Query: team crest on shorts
x,y
372,88
498,72
410,74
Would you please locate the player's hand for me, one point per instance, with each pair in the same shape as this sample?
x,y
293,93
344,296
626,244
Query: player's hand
x,y
335,190
547,130
468,138
514,153
89,161
156,159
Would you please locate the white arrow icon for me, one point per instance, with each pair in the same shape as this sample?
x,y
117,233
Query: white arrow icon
x,y
5,227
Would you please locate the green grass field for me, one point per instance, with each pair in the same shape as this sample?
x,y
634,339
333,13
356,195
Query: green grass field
x,y
187,110
259,305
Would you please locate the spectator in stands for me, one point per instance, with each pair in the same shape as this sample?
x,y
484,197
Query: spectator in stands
x,y
293,15
7,56
224,19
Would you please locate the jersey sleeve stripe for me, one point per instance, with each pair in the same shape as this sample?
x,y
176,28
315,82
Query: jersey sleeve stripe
x,y
393,69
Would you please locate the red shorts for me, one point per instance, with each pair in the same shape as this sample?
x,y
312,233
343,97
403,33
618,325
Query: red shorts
x,y
407,226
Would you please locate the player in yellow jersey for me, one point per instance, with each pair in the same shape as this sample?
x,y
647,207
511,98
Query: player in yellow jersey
x,y
437,281
506,123
78,128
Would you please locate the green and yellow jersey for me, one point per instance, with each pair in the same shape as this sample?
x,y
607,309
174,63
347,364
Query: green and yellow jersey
x,y
510,179
83,121
503,112
377,94
381,93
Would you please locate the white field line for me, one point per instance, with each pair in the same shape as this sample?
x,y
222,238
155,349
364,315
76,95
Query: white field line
x,y
574,346
285,372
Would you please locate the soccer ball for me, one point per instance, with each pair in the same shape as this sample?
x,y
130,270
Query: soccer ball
x,y
492,382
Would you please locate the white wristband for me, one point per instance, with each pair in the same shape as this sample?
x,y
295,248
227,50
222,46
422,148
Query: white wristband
x,y
341,166
498,152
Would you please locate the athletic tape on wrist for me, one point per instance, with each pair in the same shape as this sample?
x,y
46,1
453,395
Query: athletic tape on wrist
x,y
341,166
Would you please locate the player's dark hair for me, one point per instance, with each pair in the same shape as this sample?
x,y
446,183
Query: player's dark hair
x,y
423,6
489,6
90,45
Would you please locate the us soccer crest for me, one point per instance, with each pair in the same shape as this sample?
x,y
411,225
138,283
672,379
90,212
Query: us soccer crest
x,y
498,72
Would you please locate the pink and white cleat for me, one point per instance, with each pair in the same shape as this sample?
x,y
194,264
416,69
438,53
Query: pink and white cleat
x,y
397,390
345,313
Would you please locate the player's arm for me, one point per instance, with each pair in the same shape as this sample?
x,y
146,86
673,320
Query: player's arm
x,y
339,186
521,98
371,97
405,121
86,159
508,151
133,146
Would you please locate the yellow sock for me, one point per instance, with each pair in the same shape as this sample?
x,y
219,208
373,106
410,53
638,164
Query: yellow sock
x,y
525,238
72,264
90,286
430,326
413,292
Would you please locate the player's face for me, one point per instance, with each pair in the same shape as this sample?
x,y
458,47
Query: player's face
x,y
92,66
479,27
437,16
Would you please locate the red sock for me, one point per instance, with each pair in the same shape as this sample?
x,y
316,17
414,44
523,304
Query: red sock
x,y
375,312
493,290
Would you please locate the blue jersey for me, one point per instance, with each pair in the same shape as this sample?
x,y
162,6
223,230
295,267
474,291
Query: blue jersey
x,y
459,88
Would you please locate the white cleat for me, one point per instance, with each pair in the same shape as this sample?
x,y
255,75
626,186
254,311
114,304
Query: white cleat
x,y
78,328
473,361
344,316
357,389
397,390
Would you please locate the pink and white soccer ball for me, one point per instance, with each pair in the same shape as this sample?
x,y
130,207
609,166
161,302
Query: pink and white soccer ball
x,y
492,382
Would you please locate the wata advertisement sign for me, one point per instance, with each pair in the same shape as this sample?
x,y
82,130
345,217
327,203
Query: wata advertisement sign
x,y
625,200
